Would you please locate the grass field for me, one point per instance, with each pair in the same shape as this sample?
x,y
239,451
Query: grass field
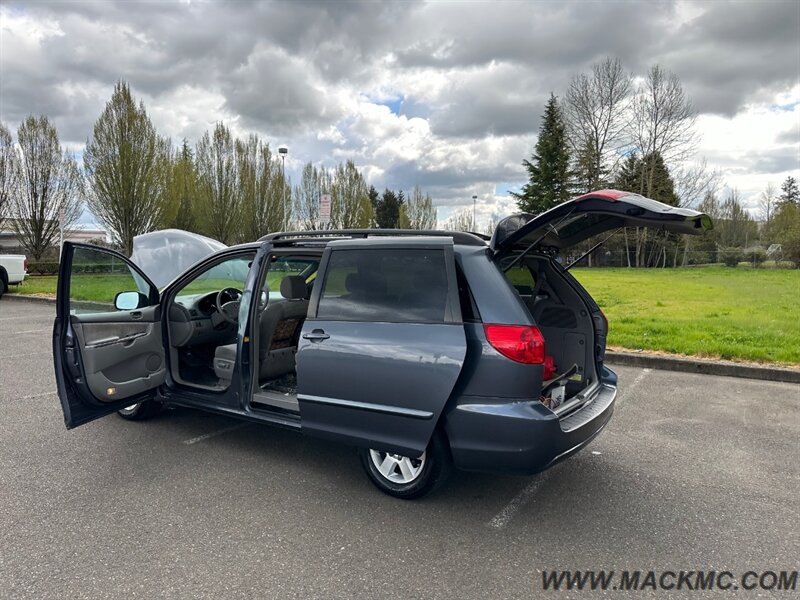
x,y
750,314
745,314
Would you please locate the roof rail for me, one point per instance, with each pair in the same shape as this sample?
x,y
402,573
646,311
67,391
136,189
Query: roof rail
x,y
327,235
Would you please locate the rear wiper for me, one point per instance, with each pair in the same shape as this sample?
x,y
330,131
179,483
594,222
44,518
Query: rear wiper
x,y
592,249
553,229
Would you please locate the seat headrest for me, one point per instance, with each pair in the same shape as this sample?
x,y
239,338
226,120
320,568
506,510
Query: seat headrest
x,y
294,287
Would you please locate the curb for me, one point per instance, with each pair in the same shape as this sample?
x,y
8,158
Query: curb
x,y
703,367
32,299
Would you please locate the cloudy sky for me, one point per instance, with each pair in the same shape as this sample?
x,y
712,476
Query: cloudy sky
x,y
447,95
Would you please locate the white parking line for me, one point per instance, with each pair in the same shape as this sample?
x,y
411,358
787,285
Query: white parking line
x,y
34,330
206,436
627,389
501,519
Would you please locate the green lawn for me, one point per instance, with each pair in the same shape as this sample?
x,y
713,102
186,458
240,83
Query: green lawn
x,y
746,314
741,313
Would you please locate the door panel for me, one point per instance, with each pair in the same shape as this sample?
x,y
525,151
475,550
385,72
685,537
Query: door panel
x,y
384,346
121,359
104,358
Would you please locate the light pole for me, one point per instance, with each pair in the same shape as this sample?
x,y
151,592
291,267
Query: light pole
x,y
283,151
474,199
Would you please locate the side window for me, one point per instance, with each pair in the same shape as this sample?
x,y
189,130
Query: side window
x,y
385,285
521,278
284,266
97,277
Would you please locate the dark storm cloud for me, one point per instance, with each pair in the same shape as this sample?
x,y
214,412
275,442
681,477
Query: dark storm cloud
x,y
476,72
735,52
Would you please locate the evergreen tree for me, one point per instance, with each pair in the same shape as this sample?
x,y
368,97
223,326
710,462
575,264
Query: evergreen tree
x,y
387,212
634,173
548,170
790,192
590,174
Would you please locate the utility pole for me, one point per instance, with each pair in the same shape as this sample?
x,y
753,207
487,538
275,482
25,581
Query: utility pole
x,y
283,151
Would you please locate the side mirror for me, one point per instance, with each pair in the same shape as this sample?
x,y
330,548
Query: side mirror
x,y
130,301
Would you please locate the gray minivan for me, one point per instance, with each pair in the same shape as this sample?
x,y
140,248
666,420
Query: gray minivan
x,y
423,349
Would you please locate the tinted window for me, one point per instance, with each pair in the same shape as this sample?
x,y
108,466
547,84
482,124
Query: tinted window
x,y
521,278
396,286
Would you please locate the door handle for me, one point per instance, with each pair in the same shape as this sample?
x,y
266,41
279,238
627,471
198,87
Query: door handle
x,y
136,315
316,336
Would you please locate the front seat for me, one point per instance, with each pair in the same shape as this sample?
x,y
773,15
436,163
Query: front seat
x,y
280,329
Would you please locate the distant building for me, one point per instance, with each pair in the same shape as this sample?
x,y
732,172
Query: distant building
x,y
77,233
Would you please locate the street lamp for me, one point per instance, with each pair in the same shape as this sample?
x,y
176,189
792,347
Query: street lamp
x,y
283,151
474,199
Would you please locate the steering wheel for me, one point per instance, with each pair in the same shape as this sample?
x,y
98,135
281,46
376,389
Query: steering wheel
x,y
229,310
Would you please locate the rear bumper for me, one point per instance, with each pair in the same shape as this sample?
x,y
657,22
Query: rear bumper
x,y
522,436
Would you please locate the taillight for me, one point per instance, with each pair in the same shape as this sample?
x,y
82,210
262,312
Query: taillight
x,y
521,343
25,264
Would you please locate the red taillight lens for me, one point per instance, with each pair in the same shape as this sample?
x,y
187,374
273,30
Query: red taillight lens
x,y
521,343
25,264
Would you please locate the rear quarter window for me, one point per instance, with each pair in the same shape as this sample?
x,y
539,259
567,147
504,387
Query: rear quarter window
x,y
385,285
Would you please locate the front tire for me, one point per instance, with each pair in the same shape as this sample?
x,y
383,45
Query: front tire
x,y
141,410
408,478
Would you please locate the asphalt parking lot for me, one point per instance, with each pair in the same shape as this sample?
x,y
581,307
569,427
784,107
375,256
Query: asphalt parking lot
x,y
693,472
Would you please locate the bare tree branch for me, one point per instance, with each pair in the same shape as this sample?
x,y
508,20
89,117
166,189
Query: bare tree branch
x,y
48,186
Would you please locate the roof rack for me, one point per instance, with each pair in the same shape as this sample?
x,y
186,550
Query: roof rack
x,y
328,235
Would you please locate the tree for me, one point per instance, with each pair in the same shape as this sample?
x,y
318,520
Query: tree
x,y
314,183
7,156
127,163
766,208
548,169
491,224
649,250
387,211
787,230
219,197
663,123
418,212
260,183
460,220
661,187
181,190
48,187
595,106
736,228
350,203
789,191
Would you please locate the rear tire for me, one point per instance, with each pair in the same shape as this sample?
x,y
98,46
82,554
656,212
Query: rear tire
x,y
406,478
141,410
3,284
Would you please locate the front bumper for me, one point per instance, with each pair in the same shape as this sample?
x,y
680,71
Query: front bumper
x,y
522,437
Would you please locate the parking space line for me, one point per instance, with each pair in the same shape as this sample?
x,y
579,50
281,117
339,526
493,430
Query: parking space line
x,y
206,436
501,519
33,330
633,384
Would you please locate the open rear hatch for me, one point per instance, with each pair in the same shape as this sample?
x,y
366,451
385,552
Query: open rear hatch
x,y
564,226
574,221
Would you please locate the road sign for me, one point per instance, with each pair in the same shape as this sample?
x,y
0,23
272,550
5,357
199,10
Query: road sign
x,y
325,209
